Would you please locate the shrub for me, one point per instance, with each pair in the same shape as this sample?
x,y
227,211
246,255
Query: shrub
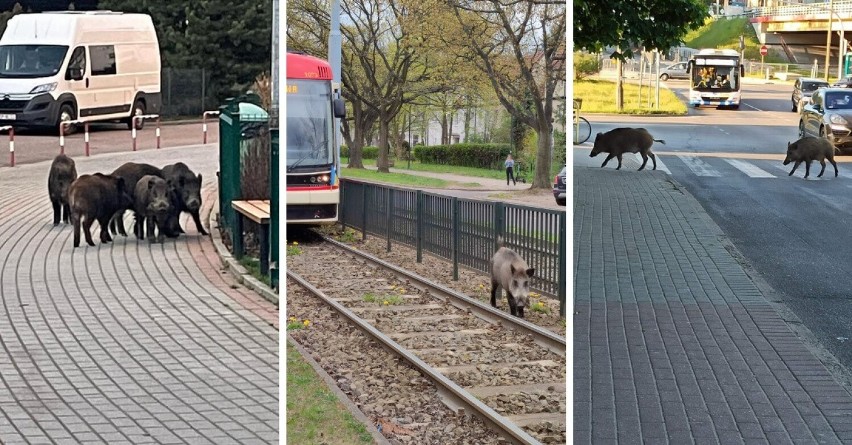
x,y
368,152
489,156
586,65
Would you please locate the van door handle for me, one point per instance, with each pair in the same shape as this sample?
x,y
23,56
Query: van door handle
x,y
87,82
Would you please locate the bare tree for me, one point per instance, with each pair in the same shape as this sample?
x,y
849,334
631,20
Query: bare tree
x,y
520,46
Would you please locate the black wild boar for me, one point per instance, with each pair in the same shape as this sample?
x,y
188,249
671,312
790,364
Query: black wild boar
x,y
63,172
96,197
510,272
187,188
808,149
625,140
152,202
132,172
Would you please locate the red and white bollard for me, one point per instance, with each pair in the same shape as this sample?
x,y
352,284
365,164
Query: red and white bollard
x,y
11,143
204,122
145,116
86,136
62,138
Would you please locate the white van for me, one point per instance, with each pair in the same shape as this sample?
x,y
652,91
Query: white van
x,y
91,66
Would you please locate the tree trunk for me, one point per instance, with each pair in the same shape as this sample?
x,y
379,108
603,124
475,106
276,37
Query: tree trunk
x,y
450,128
444,128
542,164
467,114
382,162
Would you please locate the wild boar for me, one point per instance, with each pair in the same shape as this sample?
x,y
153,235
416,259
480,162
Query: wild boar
x,y
96,197
152,203
510,272
808,149
62,173
625,140
187,187
132,172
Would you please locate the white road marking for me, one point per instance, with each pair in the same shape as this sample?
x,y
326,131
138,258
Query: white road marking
x,y
660,164
749,169
698,166
723,131
758,109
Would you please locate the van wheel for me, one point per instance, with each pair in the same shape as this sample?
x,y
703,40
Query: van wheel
x,y
664,77
138,110
66,113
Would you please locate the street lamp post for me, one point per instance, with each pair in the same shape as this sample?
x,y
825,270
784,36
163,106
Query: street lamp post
x,y
828,37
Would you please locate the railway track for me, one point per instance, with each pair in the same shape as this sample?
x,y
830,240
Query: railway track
x,y
505,371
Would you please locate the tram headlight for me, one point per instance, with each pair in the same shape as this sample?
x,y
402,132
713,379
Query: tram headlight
x,y
320,179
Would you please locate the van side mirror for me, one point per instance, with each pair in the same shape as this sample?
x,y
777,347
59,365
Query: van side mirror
x,y
339,108
75,73
689,66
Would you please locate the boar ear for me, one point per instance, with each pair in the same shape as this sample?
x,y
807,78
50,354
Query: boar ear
x,y
180,181
199,178
530,271
512,268
150,185
119,184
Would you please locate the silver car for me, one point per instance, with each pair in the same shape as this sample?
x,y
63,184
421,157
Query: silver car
x,y
676,71
829,115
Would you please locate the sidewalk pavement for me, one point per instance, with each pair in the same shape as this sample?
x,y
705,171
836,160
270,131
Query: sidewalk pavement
x,y
673,342
127,342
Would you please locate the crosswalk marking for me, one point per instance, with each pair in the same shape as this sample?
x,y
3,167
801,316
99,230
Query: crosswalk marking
x,y
698,166
751,170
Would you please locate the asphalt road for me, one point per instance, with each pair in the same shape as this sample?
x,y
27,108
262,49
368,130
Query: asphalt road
x,y
793,233
34,146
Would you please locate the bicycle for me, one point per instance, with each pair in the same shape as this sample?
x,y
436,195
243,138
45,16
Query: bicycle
x,y
582,127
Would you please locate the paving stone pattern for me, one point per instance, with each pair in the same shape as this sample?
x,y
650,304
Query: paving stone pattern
x,y
673,343
126,342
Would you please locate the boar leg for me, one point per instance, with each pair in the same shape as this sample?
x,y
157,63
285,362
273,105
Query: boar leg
x,y
87,230
822,162
807,168
608,157
197,218
521,311
138,221
835,166
494,294
795,166
618,156
644,160
104,223
57,208
161,235
149,224
66,213
513,306
75,221
653,159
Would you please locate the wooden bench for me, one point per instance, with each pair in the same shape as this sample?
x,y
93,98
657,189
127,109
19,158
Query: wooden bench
x,y
257,211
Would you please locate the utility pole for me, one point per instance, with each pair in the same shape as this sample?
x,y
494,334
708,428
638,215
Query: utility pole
x,y
828,37
334,58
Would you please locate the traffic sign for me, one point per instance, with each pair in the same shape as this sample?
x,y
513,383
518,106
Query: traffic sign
x,y
763,50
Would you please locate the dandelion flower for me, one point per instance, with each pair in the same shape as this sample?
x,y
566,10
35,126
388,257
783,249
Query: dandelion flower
x,y
306,323
386,302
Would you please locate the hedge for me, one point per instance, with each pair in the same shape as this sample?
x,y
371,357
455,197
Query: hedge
x,y
368,152
490,156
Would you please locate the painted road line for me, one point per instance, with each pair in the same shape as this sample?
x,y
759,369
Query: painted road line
x,y
758,109
749,169
698,166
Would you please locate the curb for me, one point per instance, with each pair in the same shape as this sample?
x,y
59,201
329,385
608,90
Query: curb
x,y
341,396
234,267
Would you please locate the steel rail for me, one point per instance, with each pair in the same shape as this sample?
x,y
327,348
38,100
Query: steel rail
x,y
454,395
543,337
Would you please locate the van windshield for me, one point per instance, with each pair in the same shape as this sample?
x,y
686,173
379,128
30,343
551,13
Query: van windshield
x,y
30,61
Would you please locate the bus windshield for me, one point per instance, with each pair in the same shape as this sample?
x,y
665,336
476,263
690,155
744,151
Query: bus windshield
x,y
309,123
721,78
31,61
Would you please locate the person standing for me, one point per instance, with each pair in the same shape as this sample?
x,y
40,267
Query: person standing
x,y
510,165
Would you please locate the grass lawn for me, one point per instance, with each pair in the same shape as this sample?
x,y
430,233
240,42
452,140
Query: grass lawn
x,y
725,33
314,415
450,169
393,178
599,97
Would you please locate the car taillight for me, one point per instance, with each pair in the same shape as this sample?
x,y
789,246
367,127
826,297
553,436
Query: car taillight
x,y
556,179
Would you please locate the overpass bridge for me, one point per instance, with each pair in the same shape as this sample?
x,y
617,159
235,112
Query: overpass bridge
x,y
799,31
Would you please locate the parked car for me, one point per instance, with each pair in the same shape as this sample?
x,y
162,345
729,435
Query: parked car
x,y
843,83
829,115
803,89
675,71
559,187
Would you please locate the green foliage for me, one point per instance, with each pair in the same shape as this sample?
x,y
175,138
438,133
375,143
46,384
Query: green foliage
x,y
368,152
649,23
6,15
233,42
586,65
489,156
725,33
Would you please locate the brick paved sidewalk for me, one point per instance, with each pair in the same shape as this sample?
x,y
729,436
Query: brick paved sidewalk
x,y
673,343
127,342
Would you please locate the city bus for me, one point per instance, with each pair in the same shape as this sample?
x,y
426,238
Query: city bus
x,y
715,78
313,162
